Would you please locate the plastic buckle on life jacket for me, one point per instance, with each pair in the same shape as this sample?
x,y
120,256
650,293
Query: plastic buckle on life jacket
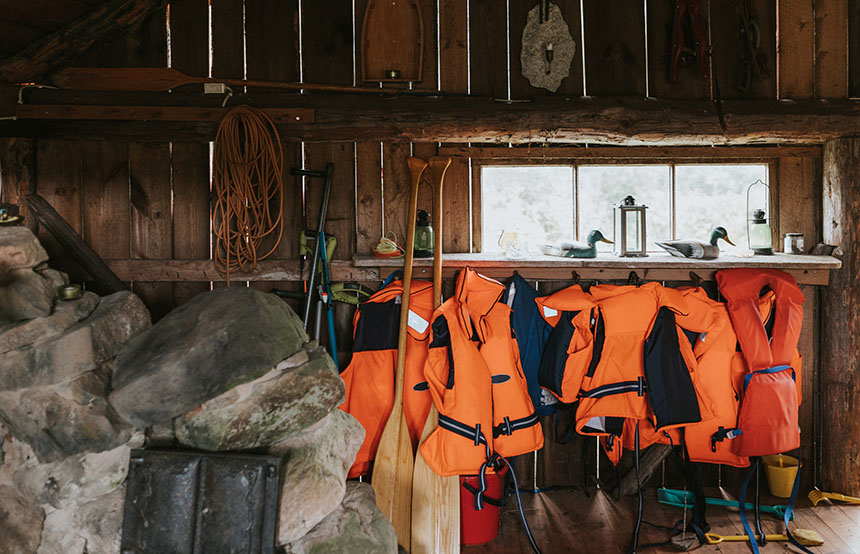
x,y
505,428
477,434
641,384
723,434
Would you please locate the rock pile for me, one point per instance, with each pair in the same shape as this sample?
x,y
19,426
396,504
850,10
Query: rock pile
x,y
84,382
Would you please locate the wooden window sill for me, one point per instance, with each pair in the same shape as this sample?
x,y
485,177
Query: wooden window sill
x,y
810,270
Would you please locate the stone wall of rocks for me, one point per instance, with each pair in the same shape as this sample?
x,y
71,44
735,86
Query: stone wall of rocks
x,y
83,382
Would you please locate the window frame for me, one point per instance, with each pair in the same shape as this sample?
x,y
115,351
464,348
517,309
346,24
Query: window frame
x,y
541,158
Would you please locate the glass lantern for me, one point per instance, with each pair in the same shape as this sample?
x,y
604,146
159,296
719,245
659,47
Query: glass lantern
x,y
629,223
759,235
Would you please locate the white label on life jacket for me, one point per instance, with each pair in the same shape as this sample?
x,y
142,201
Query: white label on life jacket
x,y
549,312
702,336
417,322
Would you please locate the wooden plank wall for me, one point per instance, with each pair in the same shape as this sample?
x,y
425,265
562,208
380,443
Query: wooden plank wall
x,y
152,201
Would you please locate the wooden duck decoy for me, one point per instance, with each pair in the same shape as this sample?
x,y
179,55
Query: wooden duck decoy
x,y
696,249
569,249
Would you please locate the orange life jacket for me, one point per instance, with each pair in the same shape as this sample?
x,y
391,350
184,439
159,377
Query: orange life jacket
x,y
567,355
640,367
768,418
723,369
476,382
369,377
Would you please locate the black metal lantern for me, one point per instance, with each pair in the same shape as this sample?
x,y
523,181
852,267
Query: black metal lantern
x,y
629,223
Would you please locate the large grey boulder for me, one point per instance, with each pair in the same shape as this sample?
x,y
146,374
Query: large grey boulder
x,y
83,347
216,341
24,294
20,249
65,418
297,393
86,526
20,522
77,478
315,465
355,527
65,314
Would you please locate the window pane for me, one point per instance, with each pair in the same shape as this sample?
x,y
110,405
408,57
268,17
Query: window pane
x,y
535,202
711,195
602,187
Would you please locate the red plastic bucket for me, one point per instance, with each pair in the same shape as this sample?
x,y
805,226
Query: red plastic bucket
x,y
480,526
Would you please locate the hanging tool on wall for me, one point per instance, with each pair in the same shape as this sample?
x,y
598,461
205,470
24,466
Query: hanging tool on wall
x,y
689,38
753,65
320,260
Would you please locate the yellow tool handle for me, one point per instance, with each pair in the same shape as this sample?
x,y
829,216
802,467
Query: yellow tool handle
x,y
842,497
713,538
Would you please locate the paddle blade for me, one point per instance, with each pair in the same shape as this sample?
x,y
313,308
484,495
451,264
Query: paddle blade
x,y
151,79
392,475
435,505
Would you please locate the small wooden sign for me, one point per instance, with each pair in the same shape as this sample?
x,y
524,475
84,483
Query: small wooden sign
x,y
392,41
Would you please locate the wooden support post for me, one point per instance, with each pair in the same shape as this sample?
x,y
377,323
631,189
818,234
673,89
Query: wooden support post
x,y
650,461
840,332
71,241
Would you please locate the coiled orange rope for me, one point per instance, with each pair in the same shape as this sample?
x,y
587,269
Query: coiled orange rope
x,y
248,189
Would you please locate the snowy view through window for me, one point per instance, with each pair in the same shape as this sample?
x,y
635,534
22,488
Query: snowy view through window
x,y
549,204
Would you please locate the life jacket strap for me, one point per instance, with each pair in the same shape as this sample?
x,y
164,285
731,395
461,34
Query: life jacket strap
x,y
508,426
724,434
774,369
638,386
466,431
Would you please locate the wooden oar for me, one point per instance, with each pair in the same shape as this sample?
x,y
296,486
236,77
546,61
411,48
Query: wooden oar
x,y
435,499
392,469
158,79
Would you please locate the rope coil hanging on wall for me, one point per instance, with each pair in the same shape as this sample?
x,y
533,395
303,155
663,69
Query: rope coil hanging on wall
x,y
247,188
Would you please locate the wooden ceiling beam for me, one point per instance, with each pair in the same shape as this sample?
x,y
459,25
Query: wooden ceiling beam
x,y
105,22
347,118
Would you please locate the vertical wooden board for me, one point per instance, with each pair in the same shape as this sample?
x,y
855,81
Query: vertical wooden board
x,y
368,171
228,41
729,50
149,176
396,184
340,219
796,49
691,83
151,225
271,38
560,464
614,48
191,227
288,246
488,48
453,46
853,48
572,84
327,42
189,26
105,189
477,216
147,45
796,200
428,70
831,48
189,35
17,172
59,166
455,204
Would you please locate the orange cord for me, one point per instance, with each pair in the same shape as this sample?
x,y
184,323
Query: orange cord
x,y
248,189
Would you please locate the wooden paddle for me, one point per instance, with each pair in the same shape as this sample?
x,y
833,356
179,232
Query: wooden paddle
x,y
159,79
435,499
392,469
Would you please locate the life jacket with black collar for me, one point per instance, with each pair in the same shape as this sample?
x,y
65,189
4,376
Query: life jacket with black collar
x,y
369,377
476,381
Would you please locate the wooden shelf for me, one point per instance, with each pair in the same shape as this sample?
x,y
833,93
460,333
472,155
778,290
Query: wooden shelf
x,y
810,270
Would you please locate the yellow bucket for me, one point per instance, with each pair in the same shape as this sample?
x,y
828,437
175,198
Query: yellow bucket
x,y
780,471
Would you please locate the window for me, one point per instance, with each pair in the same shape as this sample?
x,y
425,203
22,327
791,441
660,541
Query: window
x,y
548,204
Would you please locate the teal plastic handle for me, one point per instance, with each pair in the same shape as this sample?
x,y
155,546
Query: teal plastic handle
x,y
675,497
